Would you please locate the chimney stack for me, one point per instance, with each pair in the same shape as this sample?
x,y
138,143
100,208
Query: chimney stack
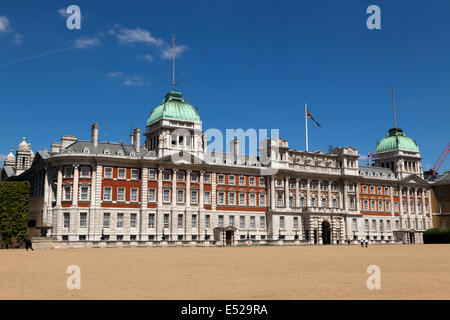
x,y
136,139
94,134
234,146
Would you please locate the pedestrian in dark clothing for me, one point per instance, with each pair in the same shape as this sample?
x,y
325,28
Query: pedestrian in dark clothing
x,y
362,243
367,242
28,244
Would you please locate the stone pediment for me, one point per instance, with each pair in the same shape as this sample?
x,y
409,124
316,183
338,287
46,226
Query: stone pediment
x,y
415,179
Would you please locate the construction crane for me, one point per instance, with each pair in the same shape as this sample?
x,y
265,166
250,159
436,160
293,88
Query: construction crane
x,y
441,159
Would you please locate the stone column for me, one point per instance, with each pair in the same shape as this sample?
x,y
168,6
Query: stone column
x,y
188,188
213,191
308,193
160,184
286,192
297,193
345,204
92,211
358,200
46,197
202,192
272,193
144,200
329,193
59,188
76,176
174,187
319,193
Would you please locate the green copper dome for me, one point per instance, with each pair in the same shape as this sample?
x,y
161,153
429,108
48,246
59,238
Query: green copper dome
x,y
174,107
396,140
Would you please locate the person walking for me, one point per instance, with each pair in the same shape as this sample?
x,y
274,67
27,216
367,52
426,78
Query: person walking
x,y
362,243
367,242
29,244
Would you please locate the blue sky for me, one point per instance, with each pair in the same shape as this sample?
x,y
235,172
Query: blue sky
x,y
243,64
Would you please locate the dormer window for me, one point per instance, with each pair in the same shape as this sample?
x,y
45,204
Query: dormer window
x,y
132,154
106,151
86,150
119,153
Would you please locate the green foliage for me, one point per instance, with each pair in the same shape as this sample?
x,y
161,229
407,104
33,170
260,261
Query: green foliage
x,y
14,206
436,235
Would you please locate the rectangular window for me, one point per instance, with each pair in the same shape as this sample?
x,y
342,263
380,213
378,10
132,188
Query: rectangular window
x,y
194,177
119,237
207,199
134,195
166,221
134,174
242,222
387,205
84,193
220,221
108,173
397,225
68,172
262,183
252,222
106,217
232,198
220,179
194,196
220,198
107,193
281,222
151,174
251,181
374,225
180,196
85,171
373,205
166,175
151,195
366,225
180,221
166,195
82,237
133,217
194,221
354,225
262,223
83,219
295,223
67,193
262,199
388,225
352,202
207,221
180,176
381,226
241,180
120,194
396,206
231,221
380,205
207,178
66,219
151,220
121,173
252,199
231,180
120,220
242,199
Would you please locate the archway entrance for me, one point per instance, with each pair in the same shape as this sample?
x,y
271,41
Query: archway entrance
x,y
229,237
326,232
412,238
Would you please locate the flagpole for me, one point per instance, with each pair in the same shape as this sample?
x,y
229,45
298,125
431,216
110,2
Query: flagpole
x,y
306,127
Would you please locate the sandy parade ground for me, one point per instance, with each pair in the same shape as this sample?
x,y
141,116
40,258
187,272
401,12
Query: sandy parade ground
x,y
304,272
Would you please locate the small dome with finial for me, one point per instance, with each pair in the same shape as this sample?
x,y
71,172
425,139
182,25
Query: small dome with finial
x,y
10,159
24,146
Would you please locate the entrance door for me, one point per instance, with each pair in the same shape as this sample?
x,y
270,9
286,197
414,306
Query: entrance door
x,y
228,237
326,232
412,238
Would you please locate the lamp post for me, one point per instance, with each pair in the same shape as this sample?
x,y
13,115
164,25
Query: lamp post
x,y
103,235
248,234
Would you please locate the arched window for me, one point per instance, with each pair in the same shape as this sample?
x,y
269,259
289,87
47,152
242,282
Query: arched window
x,y
334,202
323,202
302,200
313,201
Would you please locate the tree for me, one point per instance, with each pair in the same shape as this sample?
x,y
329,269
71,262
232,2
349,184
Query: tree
x,y
14,206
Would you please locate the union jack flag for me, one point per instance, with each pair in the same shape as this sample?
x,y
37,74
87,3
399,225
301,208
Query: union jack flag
x,y
311,117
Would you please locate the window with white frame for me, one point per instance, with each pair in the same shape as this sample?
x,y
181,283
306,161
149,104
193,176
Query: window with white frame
x,y
133,218
134,195
374,225
151,174
108,173
180,196
166,195
366,204
411,207
151,220
194,177
262,199
387,205
396,206
120,220
220,221
352,202
242,199
231,198
180,221
381,226
180,176
120,194
207,221
67,193
372,189
231,180
281,222
279,182
151,195
373,205
194,221
379,190
313,201
83,219
295,223
207,199
134,174
302,200
166,175
121,173
251,181
323,203
252,222
397,225
366,225
220,179
68,172
207,178
241,180
166,221
354,225
419,207
66,220
220,197
262,182
380,205
84,193
85,172
106,219
194,196
334,202
291,201
279,199
242,222
388,225
252,199
231,221
262,223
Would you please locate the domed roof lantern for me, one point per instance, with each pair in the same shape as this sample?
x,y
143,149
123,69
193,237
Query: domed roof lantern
x,y
10,159
23,146
396,139
174,107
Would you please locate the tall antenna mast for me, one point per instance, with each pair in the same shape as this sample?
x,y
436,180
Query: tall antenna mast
x,y
173,62
393,103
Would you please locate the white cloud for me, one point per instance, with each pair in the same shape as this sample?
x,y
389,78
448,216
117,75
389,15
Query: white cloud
x,y
137,36
4,25
62,12
85,42
115,74
146,57
134,81
166,53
